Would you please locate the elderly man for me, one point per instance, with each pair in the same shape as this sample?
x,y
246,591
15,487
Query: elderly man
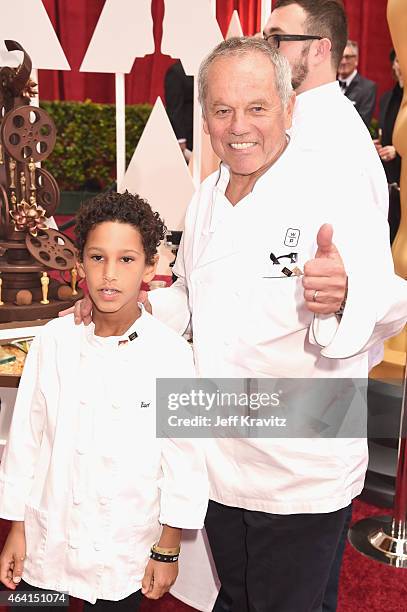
x,y
360,91
277,508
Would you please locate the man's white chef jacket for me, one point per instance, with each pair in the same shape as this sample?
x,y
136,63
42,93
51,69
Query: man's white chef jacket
x,y
327,122
83,467
247,325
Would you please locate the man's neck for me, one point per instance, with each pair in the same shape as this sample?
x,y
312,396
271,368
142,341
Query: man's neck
x,y
316,79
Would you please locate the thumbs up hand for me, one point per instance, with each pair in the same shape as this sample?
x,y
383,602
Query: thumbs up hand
x,y
325,279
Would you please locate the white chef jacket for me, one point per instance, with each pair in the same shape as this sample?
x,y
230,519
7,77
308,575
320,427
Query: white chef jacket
x,y
326,121
245,324
83,467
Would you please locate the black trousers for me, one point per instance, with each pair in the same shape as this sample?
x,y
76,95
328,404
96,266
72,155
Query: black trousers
x,y
330,601
273,562
129,604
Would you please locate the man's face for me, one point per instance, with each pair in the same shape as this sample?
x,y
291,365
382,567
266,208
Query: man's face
x,y
243,112
291,20
349,63
114,267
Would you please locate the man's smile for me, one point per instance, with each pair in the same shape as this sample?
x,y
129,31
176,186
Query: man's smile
x,y
242,145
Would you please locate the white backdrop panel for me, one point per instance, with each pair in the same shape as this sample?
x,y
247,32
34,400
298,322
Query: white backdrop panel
x,y
27,22
190,31
124,31
158,172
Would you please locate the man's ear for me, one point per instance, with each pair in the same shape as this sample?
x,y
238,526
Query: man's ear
x,y
288,112
205,124
150,270
80,269
322,50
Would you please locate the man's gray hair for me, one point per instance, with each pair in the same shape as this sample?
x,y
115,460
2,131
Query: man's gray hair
x,y
240,46
354,46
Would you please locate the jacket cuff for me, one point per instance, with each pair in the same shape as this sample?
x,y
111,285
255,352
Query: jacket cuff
x,y
347,336
178,511
12,501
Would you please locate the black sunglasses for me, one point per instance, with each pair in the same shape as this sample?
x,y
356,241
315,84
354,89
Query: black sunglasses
x,y
277,38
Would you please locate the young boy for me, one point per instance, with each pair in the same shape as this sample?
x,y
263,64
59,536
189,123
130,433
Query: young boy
x,y
84,479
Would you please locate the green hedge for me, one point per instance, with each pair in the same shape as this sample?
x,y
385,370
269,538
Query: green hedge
x,y
84,156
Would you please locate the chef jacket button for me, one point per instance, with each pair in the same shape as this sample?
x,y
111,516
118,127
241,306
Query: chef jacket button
x,y
73,545
80,451
82,402
103,501
76,502
116,406
97,546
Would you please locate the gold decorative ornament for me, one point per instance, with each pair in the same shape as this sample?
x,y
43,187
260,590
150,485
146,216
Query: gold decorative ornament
x,y
44,288
12,166
74,279
31,167
23,186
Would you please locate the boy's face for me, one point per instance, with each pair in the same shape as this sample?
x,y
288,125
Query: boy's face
x,y
114,267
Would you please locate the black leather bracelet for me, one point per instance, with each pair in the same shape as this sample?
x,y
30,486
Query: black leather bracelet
x,y
163,558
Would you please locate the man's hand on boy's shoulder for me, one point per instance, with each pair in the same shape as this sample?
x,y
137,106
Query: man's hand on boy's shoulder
x,y
82,310
12,556
143,299
158,578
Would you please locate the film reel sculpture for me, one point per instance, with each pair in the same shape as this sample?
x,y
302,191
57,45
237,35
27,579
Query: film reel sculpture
x,y
28,195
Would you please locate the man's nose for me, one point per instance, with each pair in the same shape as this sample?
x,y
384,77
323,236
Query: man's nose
x,y
239,124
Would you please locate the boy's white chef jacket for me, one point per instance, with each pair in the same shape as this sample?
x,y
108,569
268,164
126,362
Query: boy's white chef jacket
x,y
83,467
247,325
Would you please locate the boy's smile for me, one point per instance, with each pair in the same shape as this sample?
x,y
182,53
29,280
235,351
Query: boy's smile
x,y
114,267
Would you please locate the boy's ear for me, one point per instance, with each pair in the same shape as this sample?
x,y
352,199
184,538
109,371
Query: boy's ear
x,y
80,269
150,270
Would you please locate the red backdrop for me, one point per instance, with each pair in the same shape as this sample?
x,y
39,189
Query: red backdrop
x,y
74,22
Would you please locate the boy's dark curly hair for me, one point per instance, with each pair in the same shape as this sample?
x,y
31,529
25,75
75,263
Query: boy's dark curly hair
x,y
124,208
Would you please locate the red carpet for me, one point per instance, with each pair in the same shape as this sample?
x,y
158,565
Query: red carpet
x,y
366,586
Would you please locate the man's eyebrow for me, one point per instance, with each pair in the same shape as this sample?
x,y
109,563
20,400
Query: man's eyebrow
x,y
272,31
258,102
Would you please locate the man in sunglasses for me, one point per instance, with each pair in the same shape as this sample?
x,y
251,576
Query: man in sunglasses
x,y
312,34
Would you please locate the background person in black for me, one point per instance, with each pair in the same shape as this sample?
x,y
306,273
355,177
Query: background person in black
x,y
360,91
389,108
179,102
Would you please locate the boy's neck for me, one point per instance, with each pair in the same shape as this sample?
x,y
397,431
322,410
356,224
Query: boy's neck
x,y
115,323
